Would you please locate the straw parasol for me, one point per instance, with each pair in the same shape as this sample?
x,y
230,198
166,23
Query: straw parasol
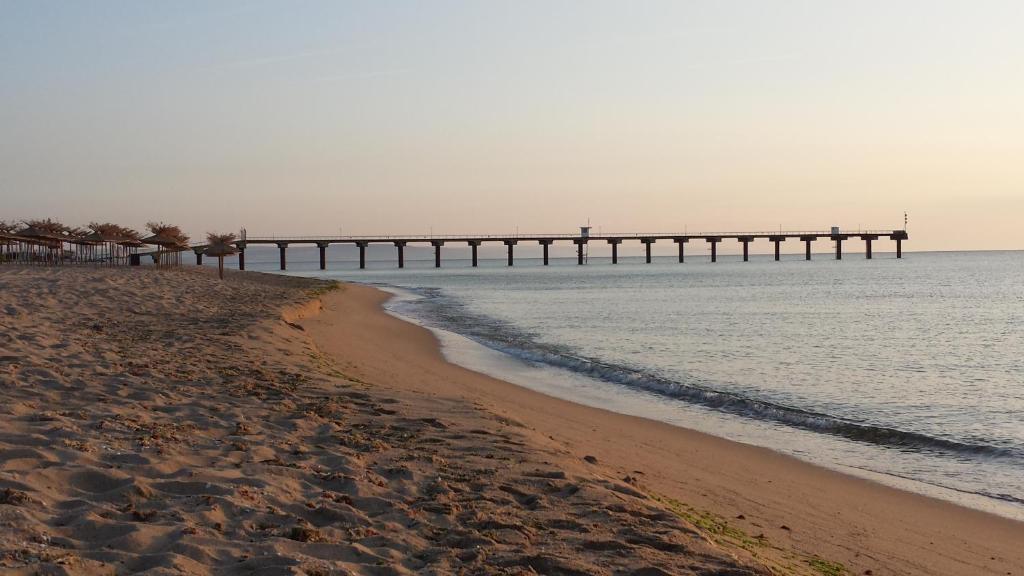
x,y
220,245
8,240
168,237
119,241
48,233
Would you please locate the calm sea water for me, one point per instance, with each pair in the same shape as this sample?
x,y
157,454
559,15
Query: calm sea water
x,y
907,371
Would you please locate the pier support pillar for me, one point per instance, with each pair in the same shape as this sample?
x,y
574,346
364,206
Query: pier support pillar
x,y
807,246
746,240
199,257
647,248
867,245
681,242
241,256
839,246
544,244
580,243
899,236
777,240
323,254
714,247
510,244
362,254
437,252
401,254
282,247
615,249
474,245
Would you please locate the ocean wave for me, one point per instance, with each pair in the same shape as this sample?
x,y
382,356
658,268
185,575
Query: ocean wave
x,y
435,308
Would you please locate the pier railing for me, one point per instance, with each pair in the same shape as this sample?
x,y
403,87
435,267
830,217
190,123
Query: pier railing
x,y
558,236
681,239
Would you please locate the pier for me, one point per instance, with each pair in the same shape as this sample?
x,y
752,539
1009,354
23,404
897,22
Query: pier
x,y
579,240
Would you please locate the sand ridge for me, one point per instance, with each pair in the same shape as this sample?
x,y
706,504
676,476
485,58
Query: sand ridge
x,y
163,422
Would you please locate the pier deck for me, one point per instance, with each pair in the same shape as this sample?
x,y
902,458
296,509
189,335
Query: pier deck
x,y
546,240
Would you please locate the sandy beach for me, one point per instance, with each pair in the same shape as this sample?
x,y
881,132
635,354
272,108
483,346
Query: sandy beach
x,y
165,422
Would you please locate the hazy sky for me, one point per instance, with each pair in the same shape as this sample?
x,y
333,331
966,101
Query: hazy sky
x,y
477,116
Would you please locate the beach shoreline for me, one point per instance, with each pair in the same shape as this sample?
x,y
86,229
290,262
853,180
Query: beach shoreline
x,y
163,421
166,422
817,511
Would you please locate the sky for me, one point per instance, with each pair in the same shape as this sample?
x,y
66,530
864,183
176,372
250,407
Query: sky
x,y
387,117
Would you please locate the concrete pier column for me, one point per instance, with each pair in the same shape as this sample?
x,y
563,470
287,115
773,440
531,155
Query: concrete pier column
x,y
714,240
544,244
746,240
580,243
401,253
615,249
777,240
199,256
807,246
681,242
867,244
510,244
437,252
323,254
241,255
899,236
282,247
839,246
474,245
362,254
647,248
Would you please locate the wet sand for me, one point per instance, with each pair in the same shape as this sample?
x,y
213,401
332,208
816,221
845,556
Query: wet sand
x,y
783,510
161,421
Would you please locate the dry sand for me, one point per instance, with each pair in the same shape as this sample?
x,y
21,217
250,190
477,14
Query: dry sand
x,y
161,421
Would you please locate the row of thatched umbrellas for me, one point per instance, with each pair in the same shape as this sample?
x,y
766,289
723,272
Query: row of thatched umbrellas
x,y
48,242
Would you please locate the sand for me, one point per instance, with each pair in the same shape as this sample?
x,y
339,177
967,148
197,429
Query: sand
x,y
162,421
786,513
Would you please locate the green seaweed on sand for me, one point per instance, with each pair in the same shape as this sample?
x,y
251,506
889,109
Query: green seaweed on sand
x,y
325,287
827,568
779,561
713,525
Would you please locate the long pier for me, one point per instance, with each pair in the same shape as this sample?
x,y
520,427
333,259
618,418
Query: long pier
x,y
580,240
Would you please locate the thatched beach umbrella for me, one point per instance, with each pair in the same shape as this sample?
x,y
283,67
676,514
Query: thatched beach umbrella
x,y
220,245
48,234
7,246
119,241
9,242
169,239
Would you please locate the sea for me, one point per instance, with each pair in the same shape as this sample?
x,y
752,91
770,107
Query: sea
x,y
909,371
